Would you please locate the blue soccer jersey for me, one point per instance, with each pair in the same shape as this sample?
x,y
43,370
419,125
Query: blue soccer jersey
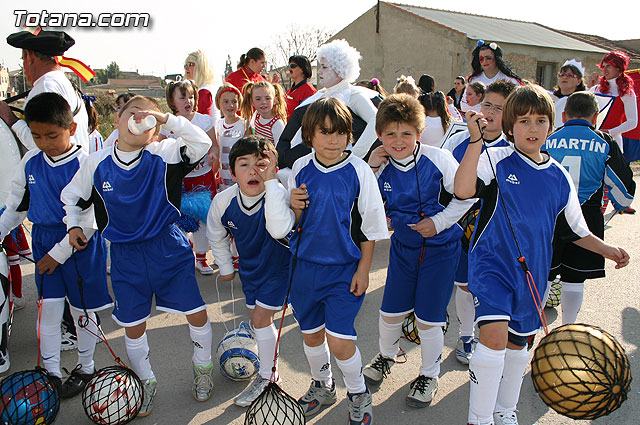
x,y
35,194
593,159
345,209
540,199
137,194
421,186
263,259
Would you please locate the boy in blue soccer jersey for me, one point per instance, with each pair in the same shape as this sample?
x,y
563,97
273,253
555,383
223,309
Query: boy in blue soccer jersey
x,y
593,160
540,199
417,183
35,193
491,107
264,267
340,215
136,187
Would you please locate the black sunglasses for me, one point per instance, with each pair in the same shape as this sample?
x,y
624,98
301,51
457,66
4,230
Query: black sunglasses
x,y
293,65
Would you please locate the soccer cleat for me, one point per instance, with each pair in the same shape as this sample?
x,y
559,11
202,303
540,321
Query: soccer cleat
x,y
149,389
75,383
464,349
69,340
360,408
202,382
317,396
377,370
202,266
422,391
57,383
253,391
508,417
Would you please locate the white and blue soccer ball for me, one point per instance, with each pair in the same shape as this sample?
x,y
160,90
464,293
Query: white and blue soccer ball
x,y
238,354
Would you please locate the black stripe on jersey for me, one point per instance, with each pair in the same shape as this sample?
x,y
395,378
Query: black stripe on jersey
x,y
26,199
356,225
337,163
115,153
99,209
562,229
445,197
488,209
175,174
69,154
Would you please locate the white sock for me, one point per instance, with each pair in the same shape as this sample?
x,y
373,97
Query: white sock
x,y
138,352
466,312
266,339
51,335
202,337
572,294
352,373
318,358
431,344
199,238
86,339
515,364
389,340
485,370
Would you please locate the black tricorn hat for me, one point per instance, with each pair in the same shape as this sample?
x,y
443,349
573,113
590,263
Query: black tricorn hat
x,y
49,43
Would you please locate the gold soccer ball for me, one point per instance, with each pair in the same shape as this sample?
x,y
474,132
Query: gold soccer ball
x,y
581,371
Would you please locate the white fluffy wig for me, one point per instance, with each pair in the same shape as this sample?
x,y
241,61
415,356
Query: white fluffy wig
x,y
342,58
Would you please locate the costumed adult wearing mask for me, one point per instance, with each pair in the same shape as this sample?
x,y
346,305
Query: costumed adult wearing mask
x,y
338,68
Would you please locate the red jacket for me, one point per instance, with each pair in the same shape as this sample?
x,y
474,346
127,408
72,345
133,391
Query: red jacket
x,y
242,76
205,100
296,94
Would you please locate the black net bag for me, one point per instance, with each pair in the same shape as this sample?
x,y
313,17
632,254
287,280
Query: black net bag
x,y
274,407
468,224
410,331
581,371
29,398
555,294
113,396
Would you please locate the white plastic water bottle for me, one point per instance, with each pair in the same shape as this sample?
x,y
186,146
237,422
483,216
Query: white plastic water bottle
x,y
146,124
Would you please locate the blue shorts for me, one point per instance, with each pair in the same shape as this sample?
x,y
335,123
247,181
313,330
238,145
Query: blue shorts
x,y
425,286
321,299
528,325
462,274
269,292
162,266
91,263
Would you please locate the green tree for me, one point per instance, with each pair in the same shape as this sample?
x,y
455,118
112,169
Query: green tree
x,y
113,70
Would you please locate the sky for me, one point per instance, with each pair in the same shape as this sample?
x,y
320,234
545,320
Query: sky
x,y
221,28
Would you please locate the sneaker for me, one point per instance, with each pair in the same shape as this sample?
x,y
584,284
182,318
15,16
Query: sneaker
x,y
252,392
317,396
422,391
202,382
360,408
203,267
4,361
507,417
69,340
57,383
375,372
75,383
464,349
149,389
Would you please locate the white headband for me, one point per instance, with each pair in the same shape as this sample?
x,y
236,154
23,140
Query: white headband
x,y
575,64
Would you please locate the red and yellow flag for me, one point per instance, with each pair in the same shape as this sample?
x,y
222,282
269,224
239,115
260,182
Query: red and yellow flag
x,y
83,71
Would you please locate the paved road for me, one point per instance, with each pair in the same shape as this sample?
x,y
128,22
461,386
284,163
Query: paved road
x,y
612,303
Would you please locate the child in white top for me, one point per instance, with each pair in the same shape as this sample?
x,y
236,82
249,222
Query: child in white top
x,y
265,108
229,129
